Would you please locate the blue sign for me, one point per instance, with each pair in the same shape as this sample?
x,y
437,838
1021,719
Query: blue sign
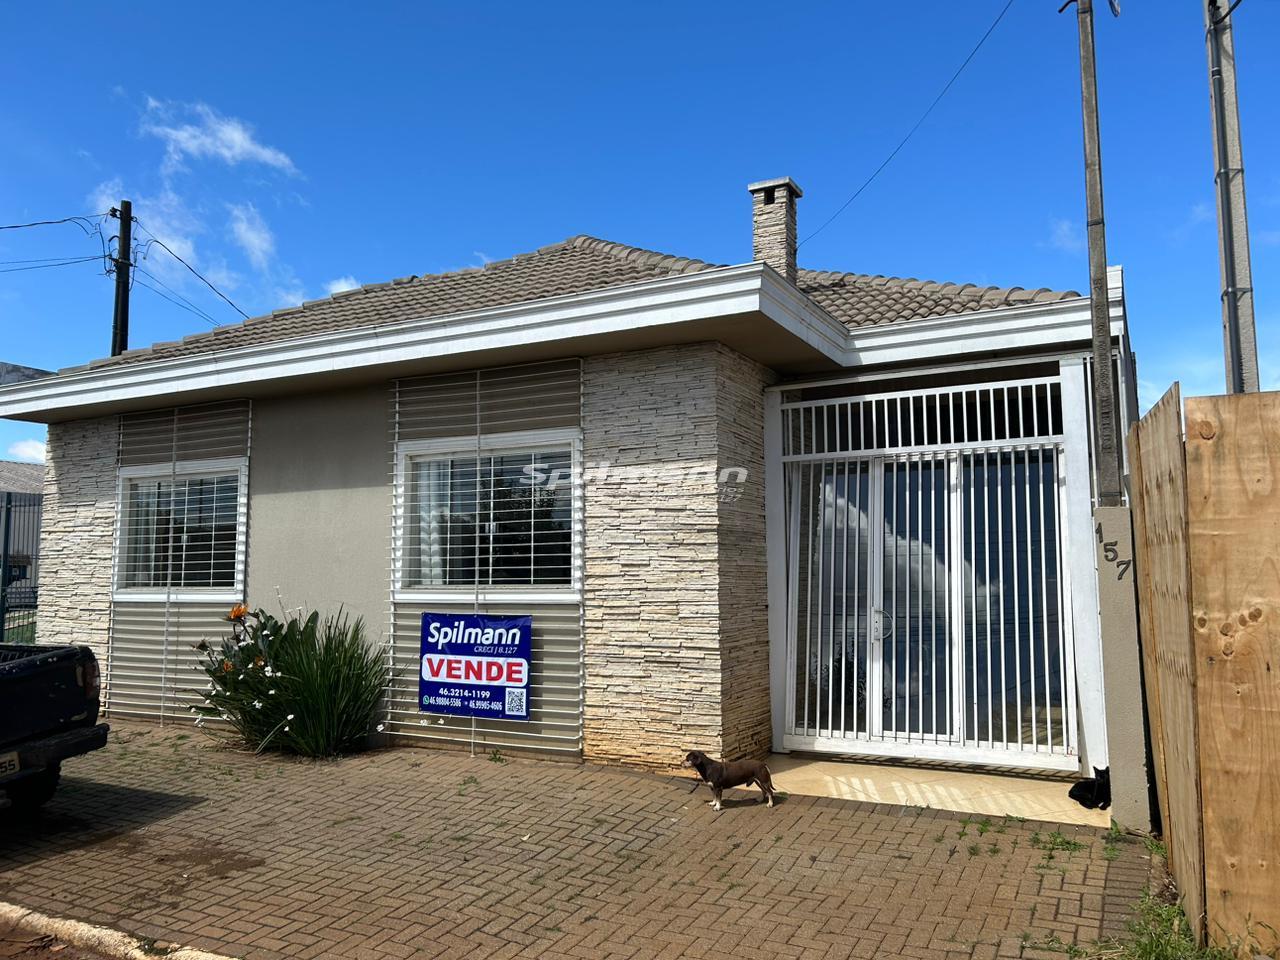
x,y
475,666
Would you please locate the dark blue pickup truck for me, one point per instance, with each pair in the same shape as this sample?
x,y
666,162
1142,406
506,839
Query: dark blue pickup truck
x,y
48,713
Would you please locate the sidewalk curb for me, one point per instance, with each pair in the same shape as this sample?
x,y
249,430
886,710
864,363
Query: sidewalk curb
x,y
104,940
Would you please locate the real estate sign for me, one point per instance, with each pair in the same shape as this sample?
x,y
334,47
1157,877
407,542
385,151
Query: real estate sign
x,y
475,665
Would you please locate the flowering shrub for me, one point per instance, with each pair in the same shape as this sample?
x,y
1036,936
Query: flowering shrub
x,y
309,686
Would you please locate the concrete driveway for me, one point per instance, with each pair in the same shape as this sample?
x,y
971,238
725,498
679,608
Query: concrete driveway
x,y
422,853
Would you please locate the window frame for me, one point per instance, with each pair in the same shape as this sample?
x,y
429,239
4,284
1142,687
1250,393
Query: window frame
x,y
493,444
187,470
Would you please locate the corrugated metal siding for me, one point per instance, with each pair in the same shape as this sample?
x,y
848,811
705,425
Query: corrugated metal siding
x,y
153,661
555,682
207,431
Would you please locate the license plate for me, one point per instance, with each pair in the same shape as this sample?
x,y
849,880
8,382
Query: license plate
x,y
8,764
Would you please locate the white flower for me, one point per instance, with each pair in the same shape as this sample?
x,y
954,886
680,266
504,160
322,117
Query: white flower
x,y
271,693
268,671
423,722
286,729
289,717
242,676
257,704
380,726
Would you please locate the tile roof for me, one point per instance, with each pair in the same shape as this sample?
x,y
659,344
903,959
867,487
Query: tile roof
x,y
16,477
576,265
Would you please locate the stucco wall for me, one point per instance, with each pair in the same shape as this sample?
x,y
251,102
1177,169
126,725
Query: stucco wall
x,y
320,503
665,560
77,533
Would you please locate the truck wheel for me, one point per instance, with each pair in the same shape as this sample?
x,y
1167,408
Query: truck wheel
x,y
31,793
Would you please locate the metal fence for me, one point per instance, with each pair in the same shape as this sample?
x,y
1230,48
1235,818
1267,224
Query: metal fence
x,y
19,566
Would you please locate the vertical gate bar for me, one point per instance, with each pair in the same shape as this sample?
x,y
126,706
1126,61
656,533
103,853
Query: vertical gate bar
x,y
795,523
859,594
919,575
808,607
831,633
893,615
1035,408
1044,601
1031,607
844,592
986,559
1004,593
933,595
1017,594
1066,654
973,607
991,410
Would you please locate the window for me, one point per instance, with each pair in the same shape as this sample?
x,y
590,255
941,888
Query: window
x,y
180,531
503,518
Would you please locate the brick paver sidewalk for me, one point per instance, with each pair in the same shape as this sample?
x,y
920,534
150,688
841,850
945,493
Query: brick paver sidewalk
x,y
423,853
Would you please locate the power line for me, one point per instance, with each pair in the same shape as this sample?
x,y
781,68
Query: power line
x,y
78,221
924,116
181,306
190,307
45,266
160,243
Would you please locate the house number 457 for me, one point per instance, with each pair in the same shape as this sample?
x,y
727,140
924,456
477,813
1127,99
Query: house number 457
x,y
1111,554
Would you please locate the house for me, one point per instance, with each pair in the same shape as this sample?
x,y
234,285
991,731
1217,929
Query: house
x,y
748,507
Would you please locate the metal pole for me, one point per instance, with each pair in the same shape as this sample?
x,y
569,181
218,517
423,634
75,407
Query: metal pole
x,y
1240,341
124,255
4,562
1106,442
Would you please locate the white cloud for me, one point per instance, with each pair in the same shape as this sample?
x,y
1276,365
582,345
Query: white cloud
x,y
252,234
207,134
1066,235
289,295
341,283
28,451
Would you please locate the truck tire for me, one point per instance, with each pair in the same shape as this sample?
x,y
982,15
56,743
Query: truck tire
x,y
31,793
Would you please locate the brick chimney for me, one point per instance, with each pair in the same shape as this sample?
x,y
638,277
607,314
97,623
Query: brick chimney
x,y
773,224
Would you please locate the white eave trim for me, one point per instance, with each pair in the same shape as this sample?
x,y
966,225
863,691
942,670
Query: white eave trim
x,y
669,301
704,295
1027,327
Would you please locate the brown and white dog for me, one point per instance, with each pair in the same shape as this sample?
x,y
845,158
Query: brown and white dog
x,y
721,776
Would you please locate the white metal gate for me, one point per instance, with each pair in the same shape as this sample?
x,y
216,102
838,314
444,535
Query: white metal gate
x,y
928,612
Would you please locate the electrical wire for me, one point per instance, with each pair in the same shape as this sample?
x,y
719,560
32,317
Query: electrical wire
x,y
910,133
176,303
191,307
78,221
156,241
45,266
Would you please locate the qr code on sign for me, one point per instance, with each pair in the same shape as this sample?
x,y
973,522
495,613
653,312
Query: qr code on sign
x,y
516,703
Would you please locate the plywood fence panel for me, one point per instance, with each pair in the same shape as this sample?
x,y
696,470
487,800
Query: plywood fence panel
x,y
1233,479
1165,606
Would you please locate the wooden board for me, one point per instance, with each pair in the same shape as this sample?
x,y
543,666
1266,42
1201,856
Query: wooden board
x,y
1166,619
1233,485
1146,626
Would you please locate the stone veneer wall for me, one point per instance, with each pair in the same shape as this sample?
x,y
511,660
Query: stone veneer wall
x,y
76,534
664,557
744,609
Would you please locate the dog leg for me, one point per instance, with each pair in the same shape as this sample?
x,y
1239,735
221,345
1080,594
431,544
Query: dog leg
x,y
716,803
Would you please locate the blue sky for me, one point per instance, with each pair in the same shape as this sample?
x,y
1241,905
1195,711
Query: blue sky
x,y
288,151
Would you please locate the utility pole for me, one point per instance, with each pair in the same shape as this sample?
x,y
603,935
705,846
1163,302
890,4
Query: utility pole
x,y
120,321
1106,433
1239,339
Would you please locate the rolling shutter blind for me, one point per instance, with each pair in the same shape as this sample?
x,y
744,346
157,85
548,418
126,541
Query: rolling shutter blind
x,y
176,531
474,405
